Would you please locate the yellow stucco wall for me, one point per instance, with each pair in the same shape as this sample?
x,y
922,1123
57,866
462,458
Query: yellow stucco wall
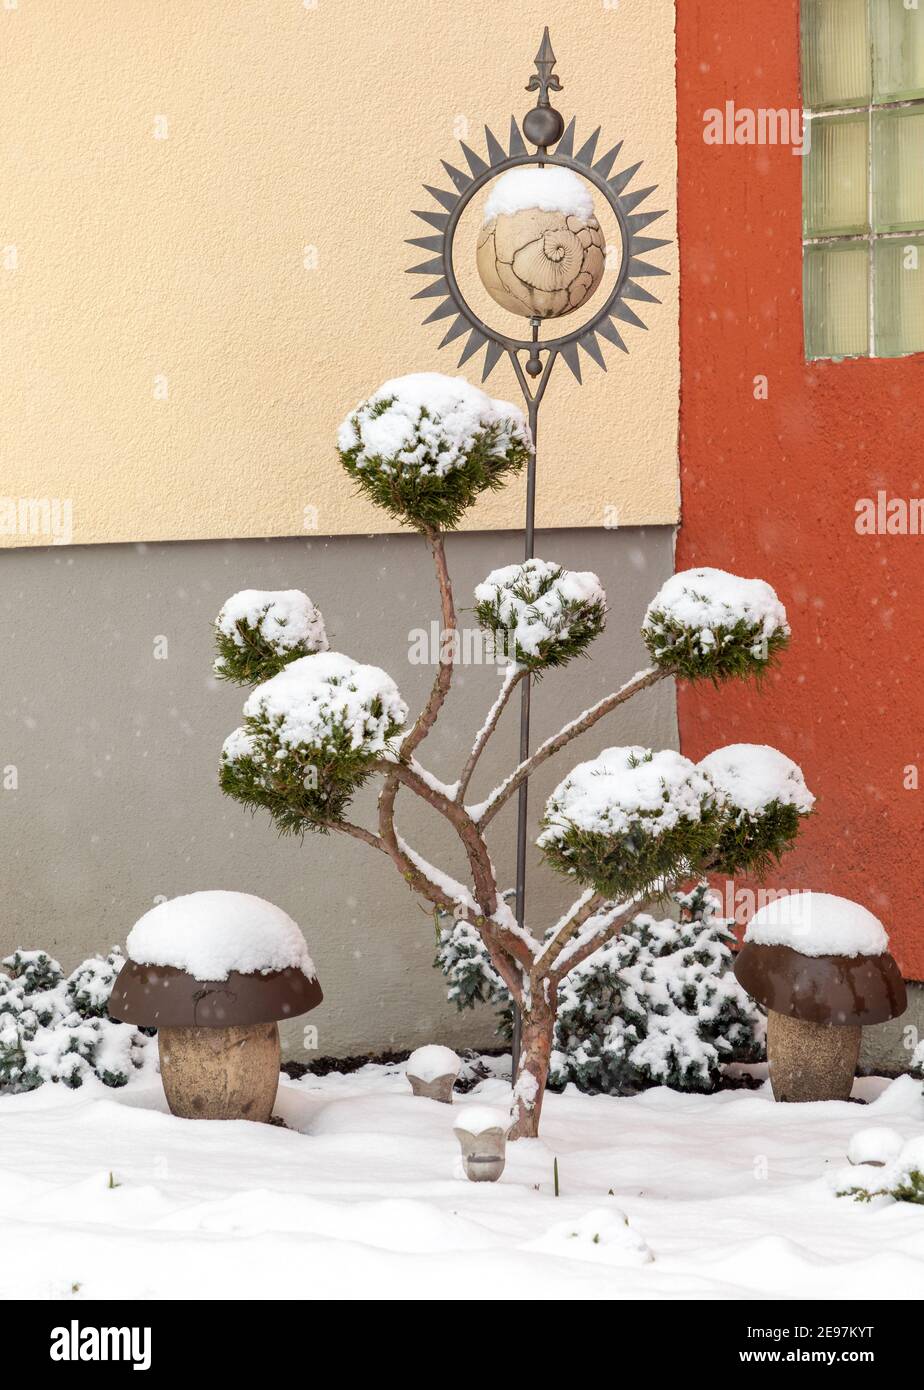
x,y
172,367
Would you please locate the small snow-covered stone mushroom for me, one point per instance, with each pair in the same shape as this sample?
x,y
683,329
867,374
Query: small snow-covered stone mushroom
x,y
820,965
432,1072
874,1147
482,1134
213,972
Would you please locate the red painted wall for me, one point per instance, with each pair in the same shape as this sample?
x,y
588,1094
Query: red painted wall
x,y
769,487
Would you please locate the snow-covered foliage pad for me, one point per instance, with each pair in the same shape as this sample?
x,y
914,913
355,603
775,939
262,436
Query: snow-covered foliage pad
x,y
433,1061
212,933
729,1193
541,614
258,632
657,1005
549,189
425,446
310,737
818,924
762,796
625,819
896,1178
706,623
56,1028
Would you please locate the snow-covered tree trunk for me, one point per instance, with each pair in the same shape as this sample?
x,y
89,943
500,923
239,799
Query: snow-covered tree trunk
x,y
536,1036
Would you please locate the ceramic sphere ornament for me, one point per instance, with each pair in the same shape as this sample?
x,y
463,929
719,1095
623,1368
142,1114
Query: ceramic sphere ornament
x,y
540,252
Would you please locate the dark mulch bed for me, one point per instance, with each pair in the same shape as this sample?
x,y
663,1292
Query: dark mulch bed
x,y
324,1066
475,1072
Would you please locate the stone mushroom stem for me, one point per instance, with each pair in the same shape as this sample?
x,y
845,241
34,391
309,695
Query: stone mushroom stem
x,y
811,1061
220,1073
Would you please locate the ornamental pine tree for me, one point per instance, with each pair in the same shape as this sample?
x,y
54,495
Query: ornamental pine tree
x,y
627,827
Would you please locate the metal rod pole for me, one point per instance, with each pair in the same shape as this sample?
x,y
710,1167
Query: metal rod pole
x,y
523,793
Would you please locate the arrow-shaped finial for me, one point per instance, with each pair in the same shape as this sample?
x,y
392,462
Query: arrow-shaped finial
x,y
543,79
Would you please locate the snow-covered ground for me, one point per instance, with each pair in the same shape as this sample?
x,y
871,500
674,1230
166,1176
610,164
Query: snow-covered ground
x,y
361,1197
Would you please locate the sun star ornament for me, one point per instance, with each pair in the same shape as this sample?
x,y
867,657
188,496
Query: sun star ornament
x,y
540,252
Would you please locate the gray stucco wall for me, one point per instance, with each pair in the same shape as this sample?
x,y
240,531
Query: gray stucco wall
x,y
115,750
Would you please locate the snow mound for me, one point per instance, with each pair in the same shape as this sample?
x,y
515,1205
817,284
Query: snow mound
x,y
602,1234
539,605
475,1119
211,933
707,614
430,423
752,776
609,793
317,695
286,618
428,1063
818,924
875,1145
549,189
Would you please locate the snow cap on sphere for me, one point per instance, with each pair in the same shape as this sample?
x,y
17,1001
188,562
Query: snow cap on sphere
x,y
818,924
212,933
550,190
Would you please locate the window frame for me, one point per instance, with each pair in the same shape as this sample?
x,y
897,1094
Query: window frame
x,y
869,238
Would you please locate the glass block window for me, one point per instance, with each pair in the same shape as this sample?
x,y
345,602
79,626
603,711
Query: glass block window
x,y
863,177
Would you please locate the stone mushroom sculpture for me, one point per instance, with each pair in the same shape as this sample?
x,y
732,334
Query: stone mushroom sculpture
x,y
821,967
213,972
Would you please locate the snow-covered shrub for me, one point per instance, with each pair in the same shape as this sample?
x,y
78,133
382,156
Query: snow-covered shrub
x,y
311,735
706,623
54,1028
423,447
259,632
657,1005
541,614
761,797
623,820
902,1179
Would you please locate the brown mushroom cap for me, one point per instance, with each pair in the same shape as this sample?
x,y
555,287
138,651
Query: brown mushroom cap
x,y
161,996
839,990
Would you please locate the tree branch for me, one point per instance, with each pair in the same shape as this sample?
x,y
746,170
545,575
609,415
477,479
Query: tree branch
x,y
582,947
427,717
483,814
587,904
359,833
512,677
